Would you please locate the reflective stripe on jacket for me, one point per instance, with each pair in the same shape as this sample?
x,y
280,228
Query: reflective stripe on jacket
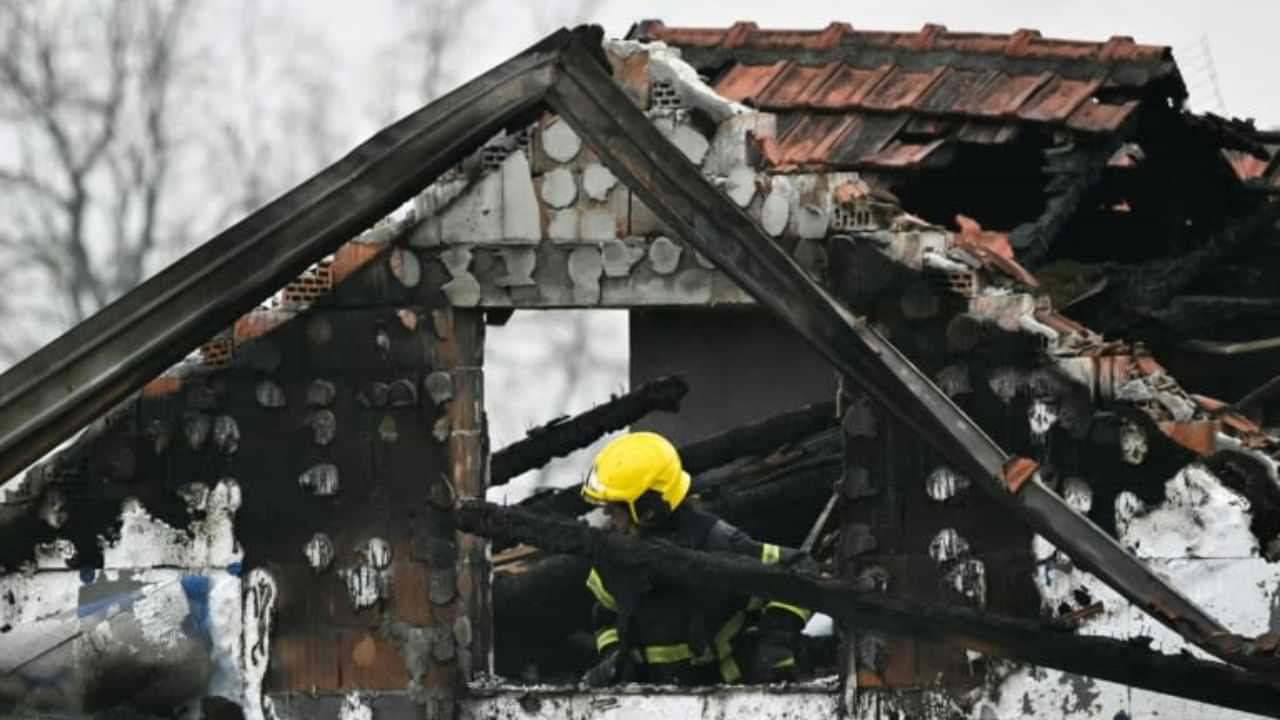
x,y
697,530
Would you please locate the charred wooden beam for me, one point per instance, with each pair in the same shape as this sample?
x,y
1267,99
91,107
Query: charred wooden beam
x,y
1075,174
1233,133
746,441
539,599
762,498
564,435
820,471
782,460
1190,314
1245,347
757,438
780,506
538,602
566,502
1135,293
1259,394
1248,476
1129,663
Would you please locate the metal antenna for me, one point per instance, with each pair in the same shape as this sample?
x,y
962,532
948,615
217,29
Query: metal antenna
x,y
1202,75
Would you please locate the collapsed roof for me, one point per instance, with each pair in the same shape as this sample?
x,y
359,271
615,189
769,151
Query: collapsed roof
x,y
1057,126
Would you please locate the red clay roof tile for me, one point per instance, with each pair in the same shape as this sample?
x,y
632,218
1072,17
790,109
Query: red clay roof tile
x,y
900,89
1056,100
788,87
1094,116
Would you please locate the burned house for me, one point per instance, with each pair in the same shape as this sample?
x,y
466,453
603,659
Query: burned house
x,y
953,307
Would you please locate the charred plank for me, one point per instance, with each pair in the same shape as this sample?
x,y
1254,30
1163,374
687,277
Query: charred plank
x,y
539,598
781,460
1258,395
562,436
717,452
766,500
1136,294
1074,175
757,438
1191,314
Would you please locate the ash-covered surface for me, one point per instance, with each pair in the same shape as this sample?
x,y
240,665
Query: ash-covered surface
x,y
769,702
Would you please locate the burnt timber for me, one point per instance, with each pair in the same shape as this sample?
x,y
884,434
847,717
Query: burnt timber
x,y
702,457
561,437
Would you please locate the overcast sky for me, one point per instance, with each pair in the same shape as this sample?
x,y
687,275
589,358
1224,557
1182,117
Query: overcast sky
x,y
1238,33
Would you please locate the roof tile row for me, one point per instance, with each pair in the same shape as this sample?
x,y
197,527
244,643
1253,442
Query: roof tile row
x,y
1021,44
1041,97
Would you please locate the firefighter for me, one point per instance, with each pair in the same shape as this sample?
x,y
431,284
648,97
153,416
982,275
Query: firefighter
x,y
647,630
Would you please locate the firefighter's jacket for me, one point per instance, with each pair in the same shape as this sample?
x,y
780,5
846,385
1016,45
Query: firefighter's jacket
x,y
666,630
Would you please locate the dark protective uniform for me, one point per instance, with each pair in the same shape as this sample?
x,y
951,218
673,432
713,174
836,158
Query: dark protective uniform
x,y
666,633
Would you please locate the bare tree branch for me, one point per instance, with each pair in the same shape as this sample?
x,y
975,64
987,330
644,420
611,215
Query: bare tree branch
x,y
26,180
87,90
434,35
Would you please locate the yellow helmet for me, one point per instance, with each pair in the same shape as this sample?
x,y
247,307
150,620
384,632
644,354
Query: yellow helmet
x,y
632,465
